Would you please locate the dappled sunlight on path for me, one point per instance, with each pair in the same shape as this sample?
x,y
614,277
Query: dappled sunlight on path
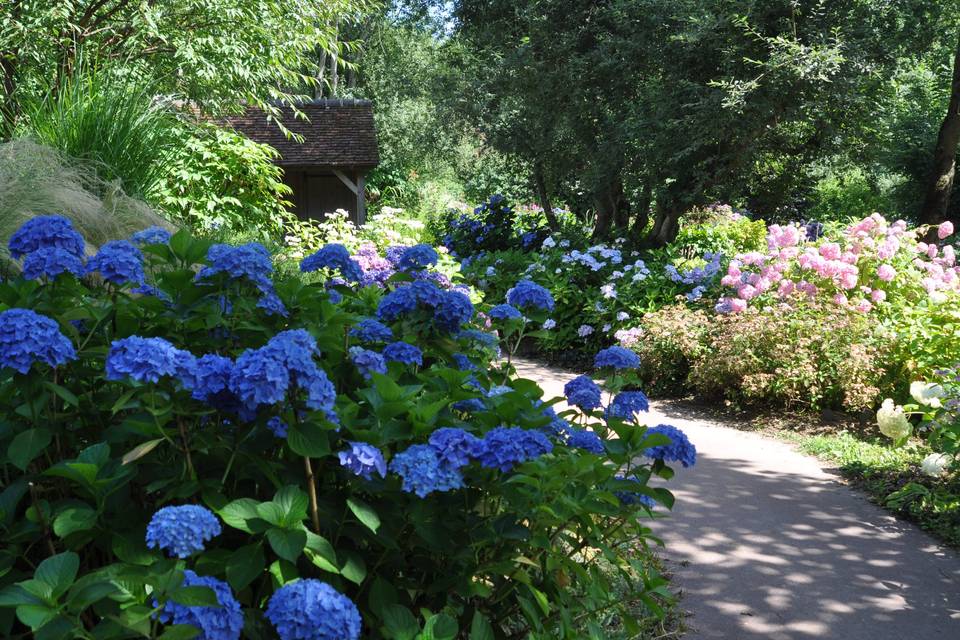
x,y
765,544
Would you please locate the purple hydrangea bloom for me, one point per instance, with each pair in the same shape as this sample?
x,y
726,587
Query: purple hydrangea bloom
x,y
627,404
504,312
182,531
376,270
309,609
435,277
151,235
616,358
370,330
27,337
417,257
454,309
46,232
363,459
403,352
336,258
147,360
527,294
396,252
423,472
50,262
583,392
368,362
506,447
215,623
119,262
679,450
397,303
455,447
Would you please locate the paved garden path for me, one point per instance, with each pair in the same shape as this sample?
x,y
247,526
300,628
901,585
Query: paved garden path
x,y
766,544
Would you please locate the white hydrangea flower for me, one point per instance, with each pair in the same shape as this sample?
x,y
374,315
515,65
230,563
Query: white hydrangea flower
x,y
584,330
549,243
927,393
935,464
893,421
491,271
564,244
606,328
623,315
549,323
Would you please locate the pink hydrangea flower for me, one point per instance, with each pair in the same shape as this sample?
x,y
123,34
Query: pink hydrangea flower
x,y
864,306
840,299
830,250
886,273
945,230
878,295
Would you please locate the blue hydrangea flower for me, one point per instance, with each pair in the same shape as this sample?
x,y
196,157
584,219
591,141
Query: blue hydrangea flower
x,y
427,293
258,377
271,303
368,362
209,376
417,257
403,352
679,450
27,337
50,262
277,427
394,253
585,439
45,232
454,309
215,623
506,447
632,497
182,531
397,303
334,257
616,358
627,404
434,277
482,338
463,362
455,447
250,261
504,312
583,392
362,459
527,294
151,235
147,360
370,330
309,609
423,472
119,262
470,405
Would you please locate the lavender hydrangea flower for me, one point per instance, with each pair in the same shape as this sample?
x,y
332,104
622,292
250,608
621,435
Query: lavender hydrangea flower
x,y
616,358
363,459
504,312
45,232
224,622
583,392
417,257
50,262
423,472
309,609
506,447
336,258
403,352
151,235
455,447
368,362
527,294
27,337
370,330
679,450
118,262
182,531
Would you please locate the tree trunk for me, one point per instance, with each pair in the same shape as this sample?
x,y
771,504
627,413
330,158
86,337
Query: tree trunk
x,y
944,156
319,89
667,223
544,197
9,108
643,210
611,206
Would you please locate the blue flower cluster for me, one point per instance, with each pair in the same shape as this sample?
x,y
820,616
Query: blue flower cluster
x,y
526,294
463,362
147,360
585,439
450,308
453,310
151,235
583,392
250,261
49,262
27,337
182,531
627,497
224,622
423,472
506,447
627,404
309,609
368,362
616,358
417,257
119,262
397,303
277,427
504,312
336,258
454,447
362,459
370,330
403,352
679,450
45,232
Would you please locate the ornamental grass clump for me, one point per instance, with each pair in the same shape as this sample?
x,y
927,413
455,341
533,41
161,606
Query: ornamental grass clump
x,y
180,460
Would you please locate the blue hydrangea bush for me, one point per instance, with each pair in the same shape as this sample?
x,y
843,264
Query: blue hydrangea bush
x,y
194,446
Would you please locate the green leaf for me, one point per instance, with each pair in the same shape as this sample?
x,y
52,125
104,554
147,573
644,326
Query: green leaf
x,y
58,571
27,446
287,543
364,513
244,565
195,596
90,594
382,593
239,513
179,632
63,393
272,513
399,623
35,615
321,553
293,502
440,627
74,519
140,450
15,595
480,628
308,439
353,568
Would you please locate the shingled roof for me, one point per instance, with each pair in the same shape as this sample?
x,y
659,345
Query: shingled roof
x,y
336,133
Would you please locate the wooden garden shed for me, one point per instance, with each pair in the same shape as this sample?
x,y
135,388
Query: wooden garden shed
x,y
327,169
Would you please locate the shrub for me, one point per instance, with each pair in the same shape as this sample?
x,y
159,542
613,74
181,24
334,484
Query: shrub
x,y
203,442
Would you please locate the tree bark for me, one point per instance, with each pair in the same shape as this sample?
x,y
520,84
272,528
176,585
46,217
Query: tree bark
x,y
611,206
642,216
544,197
666,225
944,155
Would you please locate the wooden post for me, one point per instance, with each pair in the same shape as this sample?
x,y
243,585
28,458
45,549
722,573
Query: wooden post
x,y
361,198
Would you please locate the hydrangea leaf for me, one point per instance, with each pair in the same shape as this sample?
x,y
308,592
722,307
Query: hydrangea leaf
x,y
287,543
399,623
58,572
27,446
480,628
308,439
244,565
195,596
74,519
364,513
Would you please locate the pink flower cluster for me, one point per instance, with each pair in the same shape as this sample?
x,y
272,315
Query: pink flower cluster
x,y
854,270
